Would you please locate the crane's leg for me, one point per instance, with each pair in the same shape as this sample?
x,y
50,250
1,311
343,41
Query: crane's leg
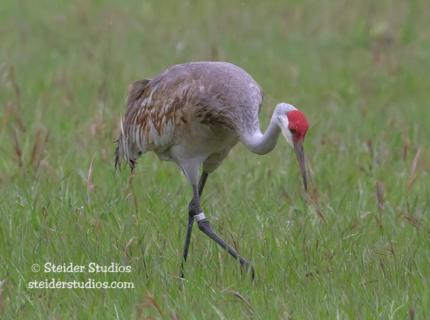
x,y
204,225
191,213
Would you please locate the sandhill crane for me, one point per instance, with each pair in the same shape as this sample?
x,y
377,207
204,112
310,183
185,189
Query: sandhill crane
x,y
193,114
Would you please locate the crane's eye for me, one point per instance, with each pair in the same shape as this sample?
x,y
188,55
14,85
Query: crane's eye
x,y
293,131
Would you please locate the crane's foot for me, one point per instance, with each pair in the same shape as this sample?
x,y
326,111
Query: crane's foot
x,y
181,275
246,266
206,228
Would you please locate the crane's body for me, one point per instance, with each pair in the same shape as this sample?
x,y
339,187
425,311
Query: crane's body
x,y
193,114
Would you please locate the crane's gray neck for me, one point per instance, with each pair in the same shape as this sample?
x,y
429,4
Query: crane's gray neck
x,y
262,143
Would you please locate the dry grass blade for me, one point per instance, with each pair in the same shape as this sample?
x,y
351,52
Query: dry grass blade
x,y
320,213
175,316
11,110
412,220
2,282
379,190
17,155
131,194
413,172
406,147
15,108
411,313
40,140
241,298
369,146
409,215
15,85
127,247
150,302
90,183
313,201
97,125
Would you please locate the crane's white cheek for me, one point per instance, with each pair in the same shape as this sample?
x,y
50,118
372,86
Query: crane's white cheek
x,y
288,136
285,131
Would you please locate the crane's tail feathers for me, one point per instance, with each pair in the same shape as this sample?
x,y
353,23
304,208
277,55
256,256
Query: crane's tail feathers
x,y
121,154
124,151
120,149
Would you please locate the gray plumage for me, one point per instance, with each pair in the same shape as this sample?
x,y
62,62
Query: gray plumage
x,y
195,110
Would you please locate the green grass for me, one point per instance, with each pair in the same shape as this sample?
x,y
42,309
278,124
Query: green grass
x,y
357,247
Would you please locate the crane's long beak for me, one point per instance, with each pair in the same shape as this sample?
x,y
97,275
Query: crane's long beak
x,y
300,154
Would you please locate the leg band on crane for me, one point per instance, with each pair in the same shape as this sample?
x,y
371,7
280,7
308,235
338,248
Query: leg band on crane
x,y
199,217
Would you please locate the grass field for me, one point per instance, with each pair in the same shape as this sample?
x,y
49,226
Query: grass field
x,y
356,247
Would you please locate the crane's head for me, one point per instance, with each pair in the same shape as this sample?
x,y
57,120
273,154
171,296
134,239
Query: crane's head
x,y
294,125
